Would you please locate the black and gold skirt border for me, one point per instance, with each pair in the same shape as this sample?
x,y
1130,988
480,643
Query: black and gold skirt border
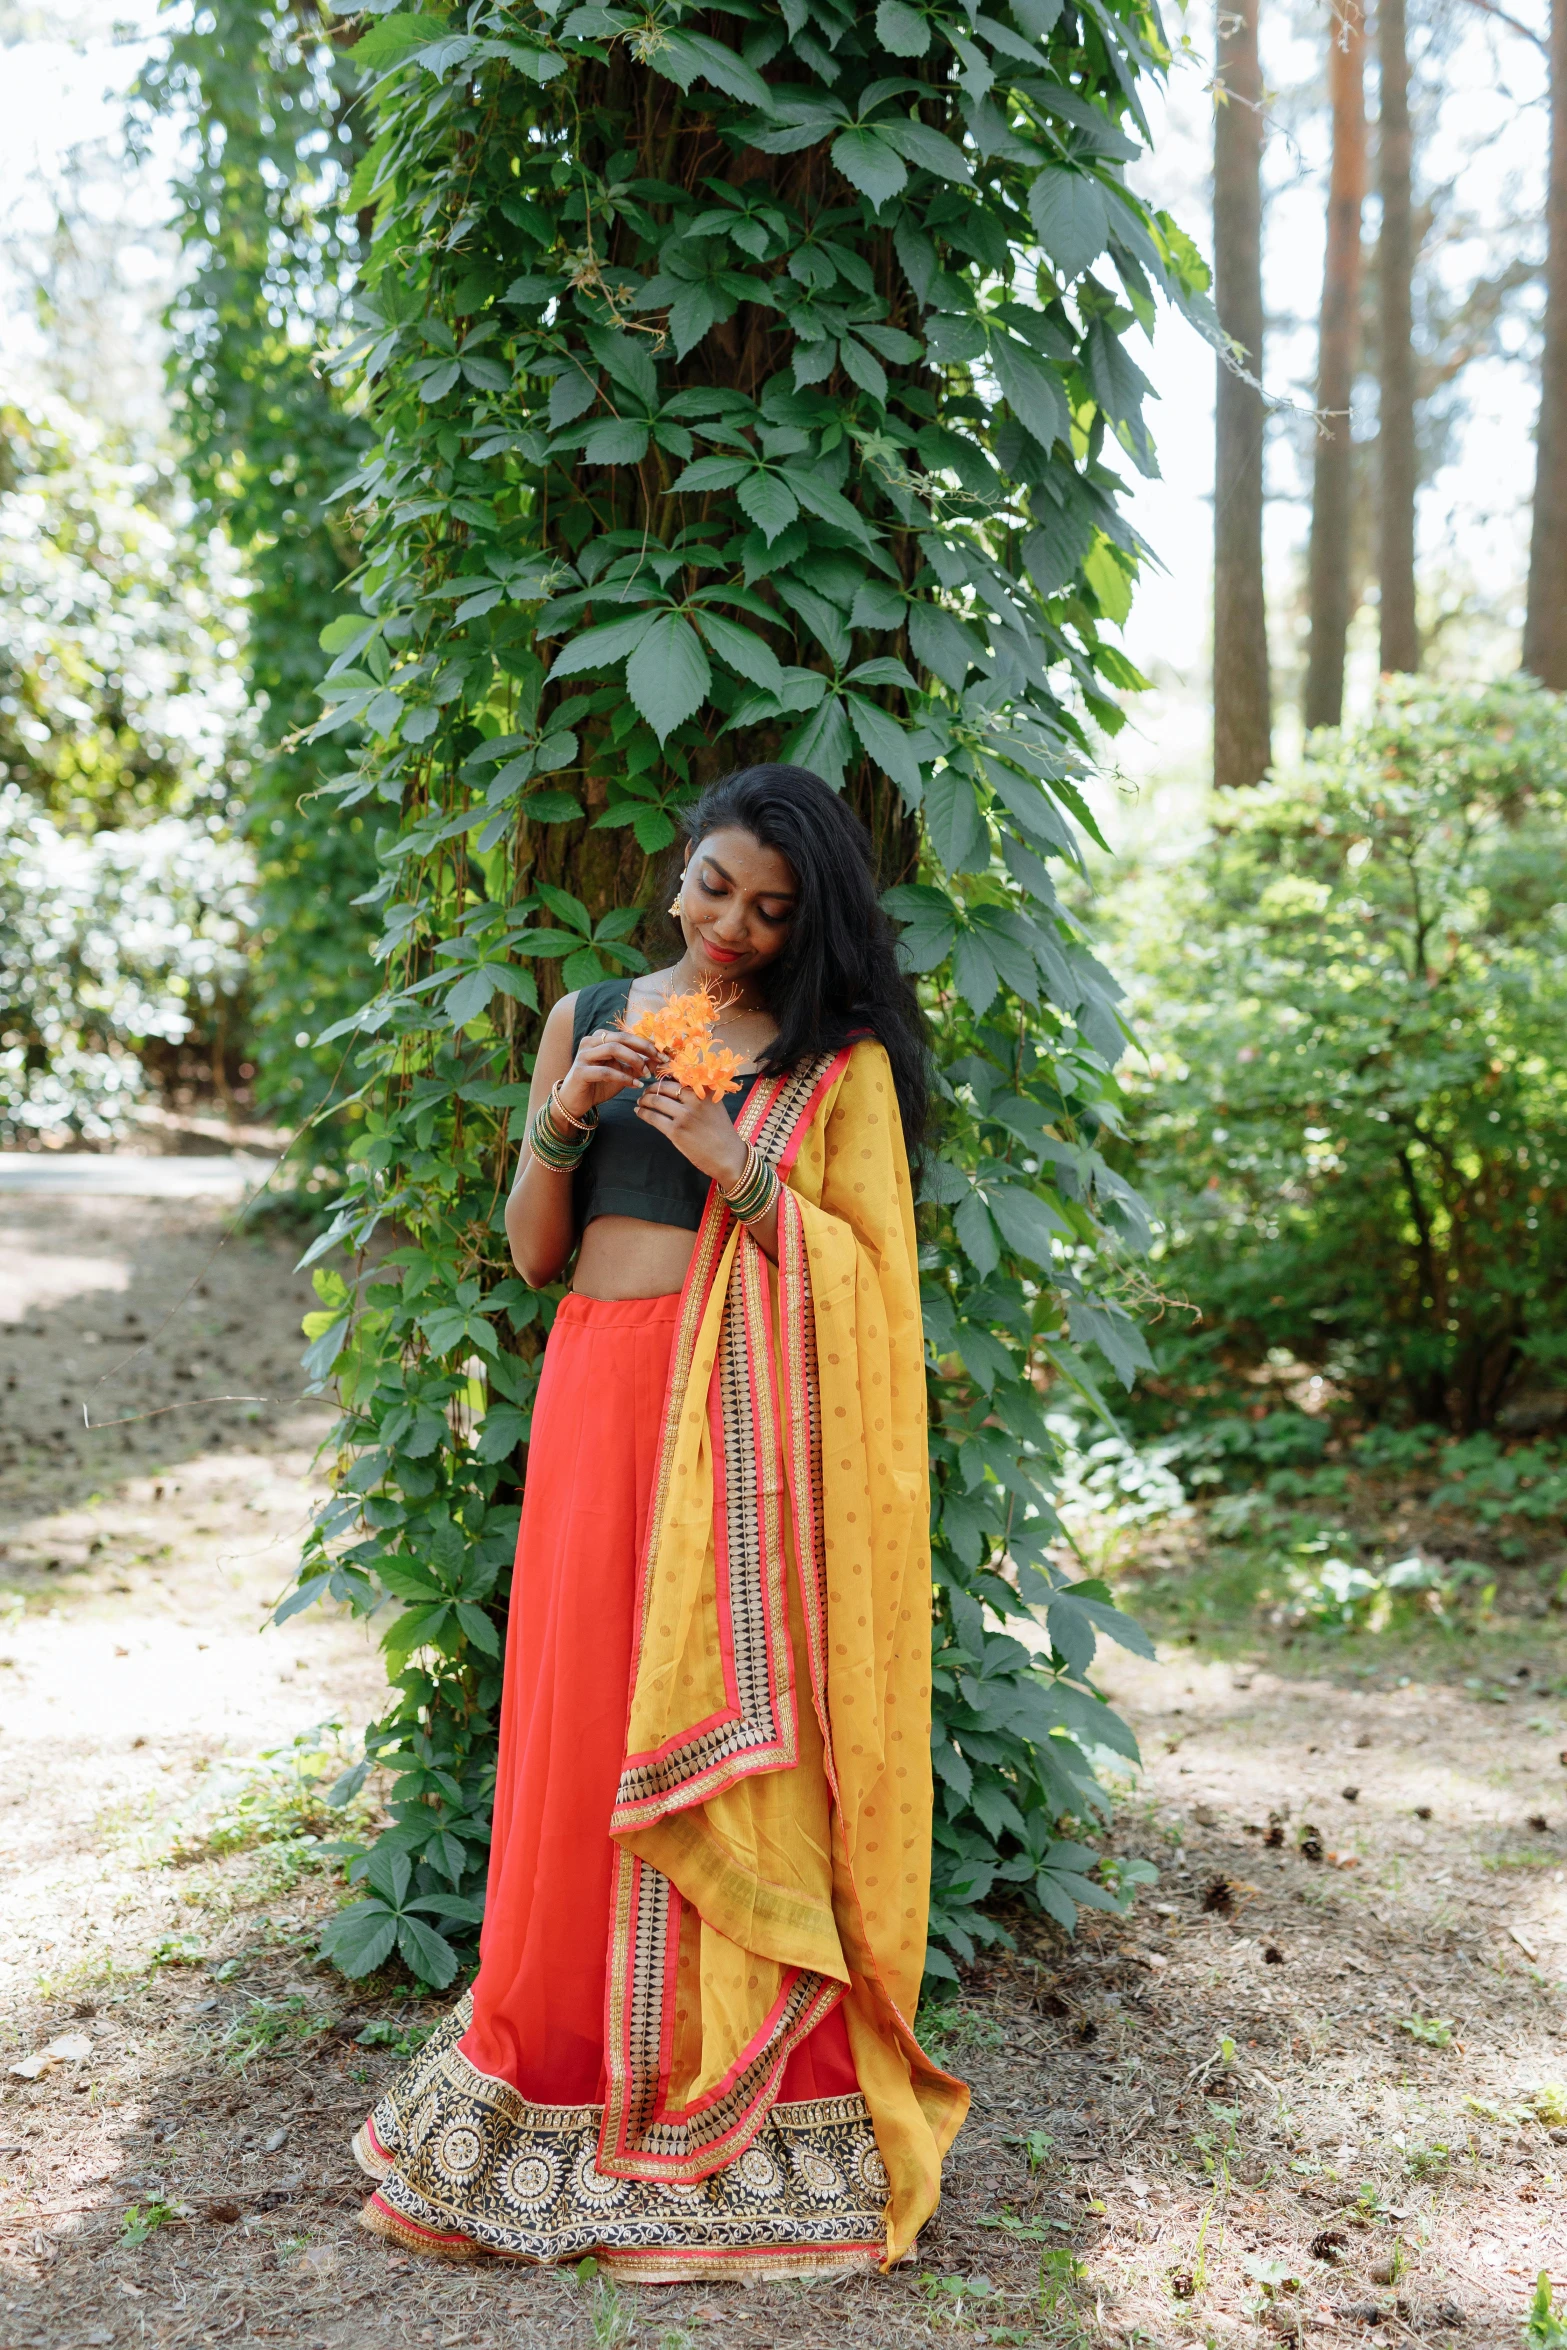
x,y
469,2169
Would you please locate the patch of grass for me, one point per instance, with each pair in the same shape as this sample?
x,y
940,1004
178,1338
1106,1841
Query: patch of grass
x,y
1522,1860
280,1804
402,2039
1432,2031
176,1950
144,2219
1545,2326
269,2024
946,2029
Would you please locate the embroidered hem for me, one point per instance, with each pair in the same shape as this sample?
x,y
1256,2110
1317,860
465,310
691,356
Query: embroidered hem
x,y
468,2169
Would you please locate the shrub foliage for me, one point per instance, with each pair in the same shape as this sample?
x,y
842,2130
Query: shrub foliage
x,y
1359,1133
748,382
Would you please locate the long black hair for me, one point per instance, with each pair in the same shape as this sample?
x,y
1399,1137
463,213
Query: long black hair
x,y
839,973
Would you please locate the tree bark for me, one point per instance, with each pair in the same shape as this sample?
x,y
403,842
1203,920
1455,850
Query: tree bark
x,y
1338,349
1545,622
1242,729
1400,636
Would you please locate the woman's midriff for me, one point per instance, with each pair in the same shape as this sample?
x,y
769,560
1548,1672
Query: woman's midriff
x,y
624,1257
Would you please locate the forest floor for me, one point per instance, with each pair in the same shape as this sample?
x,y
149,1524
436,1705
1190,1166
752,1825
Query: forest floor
x,y
1291,2097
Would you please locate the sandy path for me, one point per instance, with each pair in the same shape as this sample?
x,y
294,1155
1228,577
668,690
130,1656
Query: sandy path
x,y
1169,2115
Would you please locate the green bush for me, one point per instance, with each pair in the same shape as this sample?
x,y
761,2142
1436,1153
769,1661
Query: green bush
x,y
117,948
1355,1127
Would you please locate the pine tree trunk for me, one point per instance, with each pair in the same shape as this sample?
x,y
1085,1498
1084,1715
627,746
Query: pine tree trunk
x,y
1332,497
1242,734
1400,645
1545,624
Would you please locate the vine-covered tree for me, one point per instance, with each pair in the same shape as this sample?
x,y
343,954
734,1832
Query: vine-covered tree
x,y
749,381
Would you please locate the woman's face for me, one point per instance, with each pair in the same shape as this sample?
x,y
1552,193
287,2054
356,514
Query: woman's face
x,y
737,901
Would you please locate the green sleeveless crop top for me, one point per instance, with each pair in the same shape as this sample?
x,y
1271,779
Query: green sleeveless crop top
x,y
627,1169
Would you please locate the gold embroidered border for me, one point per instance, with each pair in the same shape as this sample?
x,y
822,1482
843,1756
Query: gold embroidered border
x,y
467,2166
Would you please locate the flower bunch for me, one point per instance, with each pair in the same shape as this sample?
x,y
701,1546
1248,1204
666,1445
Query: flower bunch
x,y
680,1029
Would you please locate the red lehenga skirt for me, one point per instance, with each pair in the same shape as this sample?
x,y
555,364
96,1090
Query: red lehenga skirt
x,y
489,2143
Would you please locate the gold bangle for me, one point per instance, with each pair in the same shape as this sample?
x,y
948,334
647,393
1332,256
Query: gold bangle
x,y
583,1125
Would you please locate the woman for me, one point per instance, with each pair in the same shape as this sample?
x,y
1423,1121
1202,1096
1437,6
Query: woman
x,y
687,2049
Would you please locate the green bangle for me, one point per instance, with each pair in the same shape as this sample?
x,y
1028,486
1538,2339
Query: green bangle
x,y
558,1151
756,1193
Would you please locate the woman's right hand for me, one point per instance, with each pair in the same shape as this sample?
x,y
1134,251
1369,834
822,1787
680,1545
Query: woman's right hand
x,y
607,1062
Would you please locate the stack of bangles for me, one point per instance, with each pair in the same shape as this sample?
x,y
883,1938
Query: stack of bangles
x,y
550,1139
757,1190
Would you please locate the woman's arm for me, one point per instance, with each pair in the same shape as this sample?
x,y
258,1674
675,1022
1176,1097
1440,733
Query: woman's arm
x,y
539,1222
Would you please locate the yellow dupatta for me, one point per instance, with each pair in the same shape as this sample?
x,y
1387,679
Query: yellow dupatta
x,y
774,1813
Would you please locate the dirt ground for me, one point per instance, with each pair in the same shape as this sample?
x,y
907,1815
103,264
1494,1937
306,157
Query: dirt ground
x,y
1293,2096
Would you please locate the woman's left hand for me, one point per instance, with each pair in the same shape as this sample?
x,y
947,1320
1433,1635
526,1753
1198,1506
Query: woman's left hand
x,y
701,1131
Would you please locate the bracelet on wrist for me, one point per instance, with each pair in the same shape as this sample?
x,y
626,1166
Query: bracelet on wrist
x,y
584,1124
755,1192
553,1144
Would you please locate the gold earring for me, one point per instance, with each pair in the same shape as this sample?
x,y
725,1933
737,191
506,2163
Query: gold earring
x,y
675,908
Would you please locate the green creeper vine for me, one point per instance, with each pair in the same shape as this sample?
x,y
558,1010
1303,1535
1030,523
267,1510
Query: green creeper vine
x,y
748,382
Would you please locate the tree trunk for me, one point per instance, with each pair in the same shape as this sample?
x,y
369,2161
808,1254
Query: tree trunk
x,y
1400,648
1332,496
1545,623
1242,735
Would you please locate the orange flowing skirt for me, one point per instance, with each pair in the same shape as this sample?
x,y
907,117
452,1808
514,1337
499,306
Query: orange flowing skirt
x,y
538,2002
488,2144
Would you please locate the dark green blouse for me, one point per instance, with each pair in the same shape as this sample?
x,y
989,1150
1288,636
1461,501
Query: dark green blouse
x,y
627,1169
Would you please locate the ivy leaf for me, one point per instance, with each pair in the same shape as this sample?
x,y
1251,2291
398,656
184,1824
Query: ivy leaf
x,y
712,473
957,830
668,676
973,972
977,1234
502,1429
1116,1335
903,30
1031,391
1071,218
429,1955
870,164
888,744
768,501
618,440
926,147
862,368
570,394
823,743
744,651
602,647
359,1938
1028,1224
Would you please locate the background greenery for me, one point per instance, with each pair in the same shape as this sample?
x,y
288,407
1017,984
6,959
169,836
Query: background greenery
x,y
1354,1124
745,384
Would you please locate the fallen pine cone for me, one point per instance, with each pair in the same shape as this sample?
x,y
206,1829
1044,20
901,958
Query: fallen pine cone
x,y
1218,1896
